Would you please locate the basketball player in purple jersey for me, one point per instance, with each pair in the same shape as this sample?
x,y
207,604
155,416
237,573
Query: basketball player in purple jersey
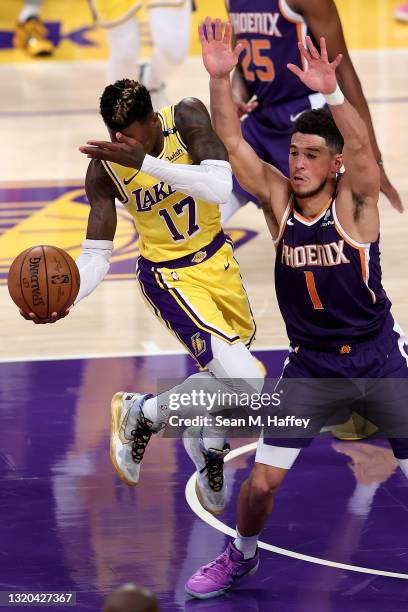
x,y
328,275
269,31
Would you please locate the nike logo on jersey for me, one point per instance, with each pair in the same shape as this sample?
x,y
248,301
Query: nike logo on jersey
x,y
127,181
294,117
290,222
227,265
314,255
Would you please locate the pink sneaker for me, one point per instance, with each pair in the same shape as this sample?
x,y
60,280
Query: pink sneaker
x,y
220,575
401,14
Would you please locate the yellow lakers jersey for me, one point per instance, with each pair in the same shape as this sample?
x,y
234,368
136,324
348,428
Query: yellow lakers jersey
x,y
170,224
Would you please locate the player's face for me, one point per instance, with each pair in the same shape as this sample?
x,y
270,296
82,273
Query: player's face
x,y
311,164
145,133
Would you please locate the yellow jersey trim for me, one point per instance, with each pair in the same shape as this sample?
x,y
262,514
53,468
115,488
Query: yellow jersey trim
x,y
117,181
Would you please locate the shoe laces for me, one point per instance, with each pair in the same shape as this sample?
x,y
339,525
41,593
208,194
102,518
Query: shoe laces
x,y
220,566
141,435
214,465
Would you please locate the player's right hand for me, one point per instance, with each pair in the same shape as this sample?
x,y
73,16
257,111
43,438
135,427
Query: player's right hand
x,y
218,57
31,316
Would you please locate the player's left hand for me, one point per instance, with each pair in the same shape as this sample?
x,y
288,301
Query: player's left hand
x,y
125,151
319,74
390,192
31,316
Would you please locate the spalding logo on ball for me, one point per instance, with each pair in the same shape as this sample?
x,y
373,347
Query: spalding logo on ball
x,y
43,279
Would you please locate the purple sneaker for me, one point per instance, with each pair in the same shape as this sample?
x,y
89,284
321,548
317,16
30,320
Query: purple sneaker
x,y
220,575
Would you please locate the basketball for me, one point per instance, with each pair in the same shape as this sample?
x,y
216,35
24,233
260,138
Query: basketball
x,y
43,280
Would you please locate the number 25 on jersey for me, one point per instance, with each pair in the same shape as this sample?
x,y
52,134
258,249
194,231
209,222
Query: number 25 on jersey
x,y
254,53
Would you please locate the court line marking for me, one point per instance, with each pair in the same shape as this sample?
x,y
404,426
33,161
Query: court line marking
x,y
147,353
211,520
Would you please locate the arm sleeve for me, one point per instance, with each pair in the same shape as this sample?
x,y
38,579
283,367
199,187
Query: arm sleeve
x,y
210,181
93,264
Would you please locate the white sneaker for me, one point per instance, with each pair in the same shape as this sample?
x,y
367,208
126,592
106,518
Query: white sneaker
x,y
130,434
210,486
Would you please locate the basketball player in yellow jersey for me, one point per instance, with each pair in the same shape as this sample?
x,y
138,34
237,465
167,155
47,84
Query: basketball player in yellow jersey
x,y
171,172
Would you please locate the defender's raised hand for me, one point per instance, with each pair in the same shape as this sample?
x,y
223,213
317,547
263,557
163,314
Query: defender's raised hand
x,y
125,151
318,74
218,57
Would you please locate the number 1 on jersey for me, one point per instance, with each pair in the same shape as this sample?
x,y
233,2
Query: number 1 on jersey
x,y
311,287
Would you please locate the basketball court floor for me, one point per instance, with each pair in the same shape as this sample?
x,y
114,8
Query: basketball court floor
x,y
67,522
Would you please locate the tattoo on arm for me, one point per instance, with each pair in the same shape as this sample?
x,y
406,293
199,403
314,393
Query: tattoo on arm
x,y
194,125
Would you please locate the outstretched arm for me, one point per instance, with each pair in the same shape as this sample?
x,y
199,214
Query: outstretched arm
x,y
262,180
323,19
359,189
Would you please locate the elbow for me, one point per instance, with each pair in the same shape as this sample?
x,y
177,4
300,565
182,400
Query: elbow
x,y
224,191
221,193
216,185
358,146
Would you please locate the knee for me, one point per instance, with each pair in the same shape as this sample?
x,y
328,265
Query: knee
x,y
263,483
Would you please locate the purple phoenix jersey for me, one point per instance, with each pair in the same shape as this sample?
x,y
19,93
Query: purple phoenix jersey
x,y
328,285
269,31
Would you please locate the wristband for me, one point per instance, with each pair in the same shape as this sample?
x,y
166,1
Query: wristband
x,y
336,98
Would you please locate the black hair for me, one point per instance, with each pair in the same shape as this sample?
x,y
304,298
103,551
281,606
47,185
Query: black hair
x,y
124,102
321,123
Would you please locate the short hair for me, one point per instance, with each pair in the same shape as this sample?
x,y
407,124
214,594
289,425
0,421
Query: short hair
x,y
321,123
124,102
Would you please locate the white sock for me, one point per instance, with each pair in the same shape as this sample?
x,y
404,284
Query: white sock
x,y
150,409
246,545
403,463
124,51
157,408
30,9
214,437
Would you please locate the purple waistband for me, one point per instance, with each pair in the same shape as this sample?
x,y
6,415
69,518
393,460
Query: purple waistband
x,y
193,258
384,336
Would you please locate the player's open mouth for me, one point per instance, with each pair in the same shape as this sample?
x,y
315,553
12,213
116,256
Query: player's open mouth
x,y
298,179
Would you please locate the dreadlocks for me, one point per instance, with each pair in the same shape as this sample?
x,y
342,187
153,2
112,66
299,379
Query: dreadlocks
x,y
123,103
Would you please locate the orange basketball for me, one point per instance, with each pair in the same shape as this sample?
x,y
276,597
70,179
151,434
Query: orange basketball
x,y
43,280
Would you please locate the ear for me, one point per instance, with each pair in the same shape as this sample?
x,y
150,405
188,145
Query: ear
x,y
337,163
